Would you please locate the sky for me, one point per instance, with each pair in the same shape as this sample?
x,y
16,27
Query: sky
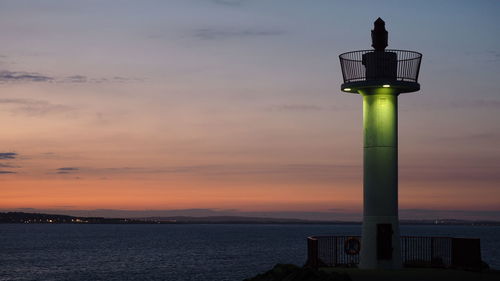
x,y
234,107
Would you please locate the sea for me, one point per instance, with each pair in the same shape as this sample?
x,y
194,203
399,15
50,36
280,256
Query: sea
x,y
201,252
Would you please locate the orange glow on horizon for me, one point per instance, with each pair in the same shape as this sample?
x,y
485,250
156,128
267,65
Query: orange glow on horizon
x,y
99,194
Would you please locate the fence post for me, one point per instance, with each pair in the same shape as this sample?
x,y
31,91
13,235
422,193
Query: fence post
x,y
432,251
312,252
335,250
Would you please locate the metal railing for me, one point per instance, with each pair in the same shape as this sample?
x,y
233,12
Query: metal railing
x,y
416,251
331,251
419,251
366,65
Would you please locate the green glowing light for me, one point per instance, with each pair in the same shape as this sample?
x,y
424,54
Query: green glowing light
x,y
386,86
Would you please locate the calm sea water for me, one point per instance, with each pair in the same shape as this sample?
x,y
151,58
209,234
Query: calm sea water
x,y
177,252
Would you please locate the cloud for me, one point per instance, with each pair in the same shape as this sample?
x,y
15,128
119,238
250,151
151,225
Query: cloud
x,y
85,79
67,170
313,170
76,79
48,154
222,34
495,56
479,103
296,107
236,169
35,107
21,76
263,172
307,173
7,76
8,155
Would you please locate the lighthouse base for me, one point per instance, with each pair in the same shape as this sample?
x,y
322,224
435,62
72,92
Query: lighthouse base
x,y
380,243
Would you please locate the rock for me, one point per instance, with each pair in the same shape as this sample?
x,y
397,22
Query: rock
x,y
290,272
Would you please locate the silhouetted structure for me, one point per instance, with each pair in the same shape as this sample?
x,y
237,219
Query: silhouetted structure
x,y
416,251
379,35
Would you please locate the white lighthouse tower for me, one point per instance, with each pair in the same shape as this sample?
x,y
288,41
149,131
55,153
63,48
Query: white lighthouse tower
x,y
379,76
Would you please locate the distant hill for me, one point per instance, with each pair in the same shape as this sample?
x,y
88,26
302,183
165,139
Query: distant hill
x,y
234,220
21,217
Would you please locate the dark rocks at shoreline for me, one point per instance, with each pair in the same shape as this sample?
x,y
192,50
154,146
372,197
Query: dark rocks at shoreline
x,y
290,272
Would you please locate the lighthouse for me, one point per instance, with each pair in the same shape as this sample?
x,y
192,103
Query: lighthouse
x,y
380,75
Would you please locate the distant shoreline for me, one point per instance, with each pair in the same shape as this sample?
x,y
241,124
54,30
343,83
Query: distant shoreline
x,y
38,218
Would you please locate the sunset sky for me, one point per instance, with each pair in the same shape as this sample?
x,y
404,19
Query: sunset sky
x,y
234,107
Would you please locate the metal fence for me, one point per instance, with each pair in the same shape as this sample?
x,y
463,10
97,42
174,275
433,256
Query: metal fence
x,y
365,65
426,251
416,251
331,251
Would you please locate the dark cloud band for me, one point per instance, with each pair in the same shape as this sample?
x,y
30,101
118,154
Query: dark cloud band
x,y
8,155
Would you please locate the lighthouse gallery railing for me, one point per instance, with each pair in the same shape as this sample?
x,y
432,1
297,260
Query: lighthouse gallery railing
x,y
354,70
